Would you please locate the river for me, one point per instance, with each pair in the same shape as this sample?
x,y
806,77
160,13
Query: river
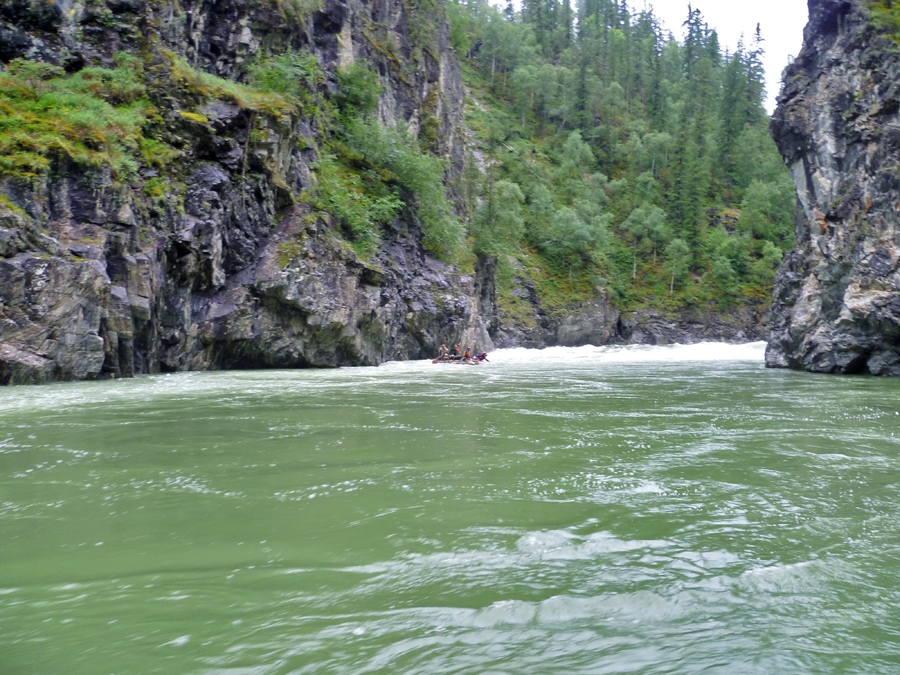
x,y
593,510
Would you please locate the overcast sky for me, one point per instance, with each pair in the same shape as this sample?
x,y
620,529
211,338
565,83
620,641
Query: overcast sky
x,y
782,23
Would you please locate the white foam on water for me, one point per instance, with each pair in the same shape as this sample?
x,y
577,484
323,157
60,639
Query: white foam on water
x,y
241,384
701,352
178,642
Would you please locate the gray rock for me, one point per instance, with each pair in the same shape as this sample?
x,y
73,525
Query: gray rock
x,y
837,295
227,268
18,366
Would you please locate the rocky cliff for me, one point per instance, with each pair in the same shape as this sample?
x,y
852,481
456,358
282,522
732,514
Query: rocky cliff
x,y
206,252
837,295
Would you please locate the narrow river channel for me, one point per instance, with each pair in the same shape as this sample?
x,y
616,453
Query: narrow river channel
x,y
593,510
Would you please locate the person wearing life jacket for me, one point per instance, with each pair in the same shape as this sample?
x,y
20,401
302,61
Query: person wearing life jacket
x,y
467,355
455,355
442,352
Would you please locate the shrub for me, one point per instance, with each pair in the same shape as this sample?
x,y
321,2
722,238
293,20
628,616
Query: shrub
x,y
499,225
357,211
358,90
289,75
886,17
767,211
678,262
399,159
570,241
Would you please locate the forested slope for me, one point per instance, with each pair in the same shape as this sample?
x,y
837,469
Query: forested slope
x,y
613,156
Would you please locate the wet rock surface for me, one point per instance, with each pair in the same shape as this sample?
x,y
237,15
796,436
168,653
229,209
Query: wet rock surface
x,y
598,322
837,294
648,327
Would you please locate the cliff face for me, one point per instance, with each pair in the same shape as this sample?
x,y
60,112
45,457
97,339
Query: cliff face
x,y
837,295
212,259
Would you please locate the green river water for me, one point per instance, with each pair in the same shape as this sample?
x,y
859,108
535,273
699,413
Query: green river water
x,y
593,510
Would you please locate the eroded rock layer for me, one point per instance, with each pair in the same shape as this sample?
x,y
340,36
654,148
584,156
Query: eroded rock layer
x,y
837,295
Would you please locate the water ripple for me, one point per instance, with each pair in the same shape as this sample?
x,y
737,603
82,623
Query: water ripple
x,y
595,510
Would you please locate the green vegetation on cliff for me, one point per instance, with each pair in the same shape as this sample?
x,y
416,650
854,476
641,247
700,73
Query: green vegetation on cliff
x,y
94,117
106,116
112,117
614,156
370,171
886,17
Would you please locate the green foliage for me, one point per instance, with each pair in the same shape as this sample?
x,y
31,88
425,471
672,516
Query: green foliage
x,y
94,117
422,18
499,225
678,261
576,155
156,188
645,162
358,90
725,279
287,251
399,159
34,75
729,263
102,116
155,153
768,262
194,117
290,75
575,164
7,206
571,241
357,210
540,212
886,17
757,159
208,86
767,211
610,154
647,226
457,18
372,171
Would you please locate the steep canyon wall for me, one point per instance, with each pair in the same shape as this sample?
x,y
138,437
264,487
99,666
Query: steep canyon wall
x,y
837,295
215,260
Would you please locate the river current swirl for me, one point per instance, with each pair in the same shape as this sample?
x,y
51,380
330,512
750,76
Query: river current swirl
x,y
594,510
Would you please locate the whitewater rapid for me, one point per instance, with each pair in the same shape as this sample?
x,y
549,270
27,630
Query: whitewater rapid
x,y
700,352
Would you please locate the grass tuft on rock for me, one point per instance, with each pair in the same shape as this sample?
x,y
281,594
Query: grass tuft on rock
x,y
211,87
93,117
